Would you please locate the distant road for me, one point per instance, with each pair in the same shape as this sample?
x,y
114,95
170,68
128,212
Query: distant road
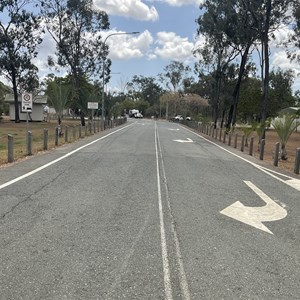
x,y
149,210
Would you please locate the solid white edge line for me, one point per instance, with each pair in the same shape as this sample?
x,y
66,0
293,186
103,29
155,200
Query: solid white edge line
x,y
58,159
166,268
261,168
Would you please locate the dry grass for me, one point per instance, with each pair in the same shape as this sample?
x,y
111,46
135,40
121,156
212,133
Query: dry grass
x,y
18,131
270,141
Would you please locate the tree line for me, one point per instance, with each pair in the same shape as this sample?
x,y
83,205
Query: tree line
x,y
228,84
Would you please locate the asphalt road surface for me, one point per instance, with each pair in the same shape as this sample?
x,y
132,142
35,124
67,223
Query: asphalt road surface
x,y
149,210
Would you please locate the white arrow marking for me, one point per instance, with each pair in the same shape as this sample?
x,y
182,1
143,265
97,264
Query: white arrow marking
x,y
254,216
184,141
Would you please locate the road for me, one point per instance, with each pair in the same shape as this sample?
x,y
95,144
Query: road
x,y
149,210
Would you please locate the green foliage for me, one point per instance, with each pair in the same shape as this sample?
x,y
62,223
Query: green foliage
x,y
174,76
4,107
284,126
75,27
144,88
59,92
20,34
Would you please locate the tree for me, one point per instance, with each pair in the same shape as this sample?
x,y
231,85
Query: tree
x,y
281,95
217,51
268,16
285,125
174,76
19,37
75,27
58,91
145,88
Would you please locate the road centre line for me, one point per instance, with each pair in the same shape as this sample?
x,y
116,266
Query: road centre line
x,y
291,181
182,275
6,184
166,267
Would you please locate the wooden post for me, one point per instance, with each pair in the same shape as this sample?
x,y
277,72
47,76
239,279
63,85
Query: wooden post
x,y
74,133
29,143
235,140
243,143
251,146
66,134
276,154
79,129
45,139
262,149
56,135
224,137
297,161
229,138
10,148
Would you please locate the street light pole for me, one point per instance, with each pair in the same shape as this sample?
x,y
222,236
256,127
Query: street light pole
x,y
103,73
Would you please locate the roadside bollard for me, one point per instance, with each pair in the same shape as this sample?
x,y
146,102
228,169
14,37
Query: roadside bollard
x,y
29,143
45,139
262,149
276,154
251,146
297,161
243,143
10,148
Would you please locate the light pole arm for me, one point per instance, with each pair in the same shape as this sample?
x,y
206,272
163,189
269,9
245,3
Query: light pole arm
x,y
103,73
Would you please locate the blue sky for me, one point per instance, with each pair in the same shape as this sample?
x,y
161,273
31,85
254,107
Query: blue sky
x,y
167,32
174,25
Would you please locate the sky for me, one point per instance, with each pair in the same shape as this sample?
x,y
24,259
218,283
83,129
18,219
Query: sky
x,y
167,31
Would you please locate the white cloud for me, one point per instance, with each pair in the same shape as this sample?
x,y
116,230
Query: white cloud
x,y
280,60
180,2
135,9
172,46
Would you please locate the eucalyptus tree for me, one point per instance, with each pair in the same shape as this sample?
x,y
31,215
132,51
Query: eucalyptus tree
x,y
281,93
216,53
75,27
173,78
145,88
268,16
20,34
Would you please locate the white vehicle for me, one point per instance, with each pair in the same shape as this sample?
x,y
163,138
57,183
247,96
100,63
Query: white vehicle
x,y
179,118
133,112
138,115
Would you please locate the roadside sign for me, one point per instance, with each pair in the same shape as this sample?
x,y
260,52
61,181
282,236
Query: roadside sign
x,y
92,105
26,103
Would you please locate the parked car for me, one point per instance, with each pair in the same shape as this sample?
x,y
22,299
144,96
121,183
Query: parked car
x,y
188,118
138,115
179,118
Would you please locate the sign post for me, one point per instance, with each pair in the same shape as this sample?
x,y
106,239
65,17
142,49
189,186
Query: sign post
x,y
92,106
26,106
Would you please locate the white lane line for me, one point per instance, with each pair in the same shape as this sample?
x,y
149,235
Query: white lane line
x,y
164,250
182,275
291,181
58,159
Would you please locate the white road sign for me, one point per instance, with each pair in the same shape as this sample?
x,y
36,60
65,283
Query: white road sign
x,y
26,102
92,105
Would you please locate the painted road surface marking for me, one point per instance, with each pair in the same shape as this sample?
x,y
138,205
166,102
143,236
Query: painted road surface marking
x,y
184,141
254,216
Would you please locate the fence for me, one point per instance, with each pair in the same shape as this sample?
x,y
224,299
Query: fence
x,y
62,134
237,138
